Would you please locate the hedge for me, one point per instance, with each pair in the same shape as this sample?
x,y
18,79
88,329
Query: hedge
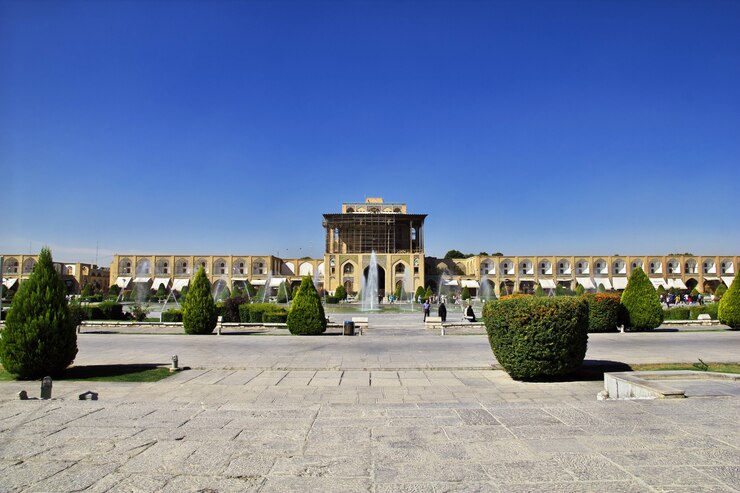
x,y
275,317
603,312
535,337
172,316
680,313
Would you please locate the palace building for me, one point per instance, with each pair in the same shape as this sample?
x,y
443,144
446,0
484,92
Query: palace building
x,y
387,231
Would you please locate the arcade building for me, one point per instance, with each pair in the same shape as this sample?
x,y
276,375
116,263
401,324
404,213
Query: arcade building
x,y
396,238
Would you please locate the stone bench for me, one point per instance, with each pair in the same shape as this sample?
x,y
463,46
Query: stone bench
x,y
360,323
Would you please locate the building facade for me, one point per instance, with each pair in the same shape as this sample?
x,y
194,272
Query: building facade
x,y
18,268
508,274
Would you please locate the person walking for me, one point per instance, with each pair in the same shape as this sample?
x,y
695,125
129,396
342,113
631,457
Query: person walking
x,y
442,311
426,309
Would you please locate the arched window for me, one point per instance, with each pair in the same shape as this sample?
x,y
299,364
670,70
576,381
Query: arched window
x,y
349,269
400,268
11,266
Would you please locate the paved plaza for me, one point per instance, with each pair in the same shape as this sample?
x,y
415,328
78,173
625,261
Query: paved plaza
x,y
397,409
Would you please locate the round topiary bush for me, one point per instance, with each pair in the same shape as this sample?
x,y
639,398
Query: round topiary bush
x,y
306,315
729,305
40,336
536,337
640,307
603,312
199,315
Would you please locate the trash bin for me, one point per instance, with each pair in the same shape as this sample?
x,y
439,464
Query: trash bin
x,y
349,328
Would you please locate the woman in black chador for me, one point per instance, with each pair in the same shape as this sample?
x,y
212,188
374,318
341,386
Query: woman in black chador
x,y
442,311
470,314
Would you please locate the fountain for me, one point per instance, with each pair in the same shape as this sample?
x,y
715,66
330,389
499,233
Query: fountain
x,y
408,288
369,285
485,288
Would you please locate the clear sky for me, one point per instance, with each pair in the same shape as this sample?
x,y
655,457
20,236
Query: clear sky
x,y
229,127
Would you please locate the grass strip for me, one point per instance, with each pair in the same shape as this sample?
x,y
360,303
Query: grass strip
x,y
107,373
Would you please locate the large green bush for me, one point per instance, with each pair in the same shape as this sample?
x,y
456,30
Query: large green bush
x,y
603,312
306,315
244,312
40,337
729,305
199,314
258,310
537,337
640,307
720,291
340,293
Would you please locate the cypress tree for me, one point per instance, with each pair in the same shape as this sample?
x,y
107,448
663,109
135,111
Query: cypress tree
x,y
539,292
601,288
580,290
199,314
39,338
640,308
306,314
429,293
420,293
465,293
729,305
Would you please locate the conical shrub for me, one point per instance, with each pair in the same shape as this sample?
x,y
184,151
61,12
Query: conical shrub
x,y
306,315
199,315
640,308
40,337
729,305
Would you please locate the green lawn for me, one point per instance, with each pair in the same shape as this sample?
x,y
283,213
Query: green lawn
x,y
108,373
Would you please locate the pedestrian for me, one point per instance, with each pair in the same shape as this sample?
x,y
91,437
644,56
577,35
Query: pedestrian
x,y
426,309
442,311
469,313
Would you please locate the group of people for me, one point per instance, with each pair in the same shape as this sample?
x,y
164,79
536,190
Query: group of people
x,y
676,299
442,311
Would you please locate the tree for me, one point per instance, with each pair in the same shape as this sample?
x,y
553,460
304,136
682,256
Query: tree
x,y
399,292
465,293
184,293
40,337
161,292
429,293
114,291
250,289
283,296
237,291
307,315
199,314
729,305
538,291
340,293
420,293
87,291
640,308
455,254
720,292
660,290
580,290
601,288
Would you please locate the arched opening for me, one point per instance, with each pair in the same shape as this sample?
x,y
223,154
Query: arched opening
x,y
691,284
507,287
582,267
635,264
526,287
655,266
564,267
381,278
545,268
727,266
690,267
11,266
526,268
674,266
305,269
349,287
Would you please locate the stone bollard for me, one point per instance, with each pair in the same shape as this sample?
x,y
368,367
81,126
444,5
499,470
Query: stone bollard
x,y
23,395
46,385
174,363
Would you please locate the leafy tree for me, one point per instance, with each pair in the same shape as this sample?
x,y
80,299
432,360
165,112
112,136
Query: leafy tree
x,y
87,291
429,293
720,292
729,305
161,292
420,293
340,293
399,292
40,336
640,308
114,290
306,314
199,314
580,290
455,254
483,254
465,293
538,291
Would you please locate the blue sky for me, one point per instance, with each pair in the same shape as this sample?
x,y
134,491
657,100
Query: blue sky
x,y
228,127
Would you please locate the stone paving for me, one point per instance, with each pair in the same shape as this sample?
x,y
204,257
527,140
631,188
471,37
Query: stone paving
x,y
381,429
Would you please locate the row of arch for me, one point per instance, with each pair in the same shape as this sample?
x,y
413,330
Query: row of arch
x,y
11,265
183,266
527,267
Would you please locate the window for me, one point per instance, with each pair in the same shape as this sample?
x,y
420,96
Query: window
x,y
241,267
